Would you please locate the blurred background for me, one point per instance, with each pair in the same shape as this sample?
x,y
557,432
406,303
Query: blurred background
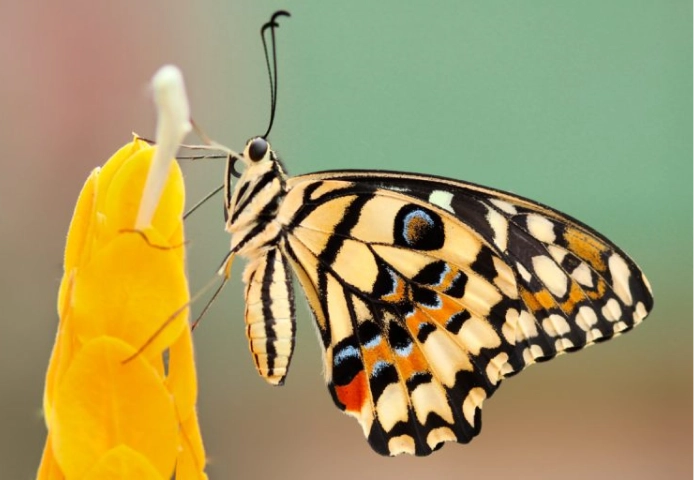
x,y
585,106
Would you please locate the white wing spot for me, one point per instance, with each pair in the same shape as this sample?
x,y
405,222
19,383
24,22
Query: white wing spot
x,y
392,406
430,397
620,278
556,325
620,326
500,227
508,329
586,318
551,275
527,325
593,335
503,206
562,344
640,313
497,367
541,228
440,435
525,275
400,444
531,353
506,279
612,311
557,253
583,276
442,199
474,399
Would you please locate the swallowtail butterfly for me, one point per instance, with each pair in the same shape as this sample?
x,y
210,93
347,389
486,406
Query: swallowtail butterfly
x,y
426,291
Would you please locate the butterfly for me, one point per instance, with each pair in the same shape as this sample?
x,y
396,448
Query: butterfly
x,y
426,291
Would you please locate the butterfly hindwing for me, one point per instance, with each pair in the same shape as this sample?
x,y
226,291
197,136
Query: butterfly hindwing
x,y
407,331
427,292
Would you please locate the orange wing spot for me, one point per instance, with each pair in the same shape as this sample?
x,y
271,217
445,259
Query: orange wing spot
x,y
448,280
586,247
380,352
414,320
447,309
599,292
413,363
416,228
575,296
398,295
353,396
542,300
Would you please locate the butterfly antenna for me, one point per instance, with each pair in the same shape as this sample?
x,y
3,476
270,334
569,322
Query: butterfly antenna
x,y
209,144
272,69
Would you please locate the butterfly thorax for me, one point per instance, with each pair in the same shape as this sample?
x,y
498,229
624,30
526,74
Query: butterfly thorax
x,y
251,208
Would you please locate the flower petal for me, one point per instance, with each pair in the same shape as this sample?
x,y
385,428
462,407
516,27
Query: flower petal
x,y
49,469
99,401
123,462
128,290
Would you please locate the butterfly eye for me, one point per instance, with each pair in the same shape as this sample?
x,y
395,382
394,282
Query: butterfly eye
x,y
257,149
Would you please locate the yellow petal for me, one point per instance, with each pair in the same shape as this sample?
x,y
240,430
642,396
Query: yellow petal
x,y
191,459
78,240
125,192
49,469
128,290
181,380
102,403
121,463
62,352
114,164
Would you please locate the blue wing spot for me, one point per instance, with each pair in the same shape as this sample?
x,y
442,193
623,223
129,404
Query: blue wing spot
x,y
346,353
373,342
419,228
379,367
404,351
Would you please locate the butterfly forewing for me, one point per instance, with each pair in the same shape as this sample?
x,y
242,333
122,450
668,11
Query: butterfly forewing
x,y
426,291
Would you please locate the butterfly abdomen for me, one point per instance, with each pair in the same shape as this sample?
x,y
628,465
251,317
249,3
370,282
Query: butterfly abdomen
x,y
270,317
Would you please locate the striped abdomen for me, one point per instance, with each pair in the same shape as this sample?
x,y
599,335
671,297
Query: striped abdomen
x,y
270,317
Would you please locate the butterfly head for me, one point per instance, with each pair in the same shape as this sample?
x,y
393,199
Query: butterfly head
x,y
252,200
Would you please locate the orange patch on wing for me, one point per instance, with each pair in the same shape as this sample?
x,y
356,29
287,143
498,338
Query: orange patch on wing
x,y
353,396
575,296
447,309
415,362
415,228
398,295
542,300
448,279
380,352
599,292
414,320
586,247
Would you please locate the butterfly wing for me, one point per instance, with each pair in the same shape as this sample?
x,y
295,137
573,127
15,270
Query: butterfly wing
x,y
427,292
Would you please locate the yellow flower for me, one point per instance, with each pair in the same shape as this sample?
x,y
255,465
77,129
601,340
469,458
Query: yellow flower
x,y
108,418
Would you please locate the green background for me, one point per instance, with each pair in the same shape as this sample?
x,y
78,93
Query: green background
x,y
585,106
